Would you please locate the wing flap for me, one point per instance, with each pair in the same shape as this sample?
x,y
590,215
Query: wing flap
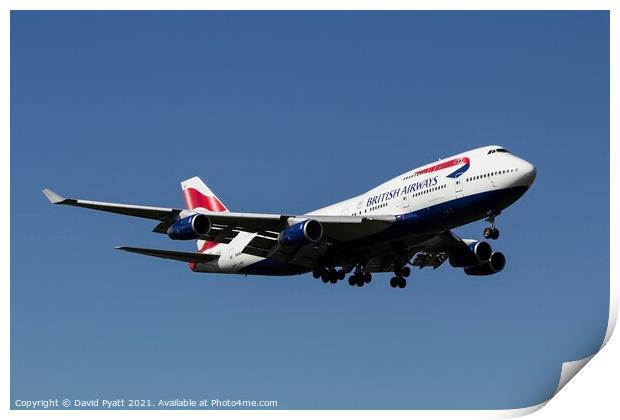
x,y
427,259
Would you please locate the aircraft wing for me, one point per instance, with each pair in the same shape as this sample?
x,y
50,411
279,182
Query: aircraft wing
x,y
340,228
156,213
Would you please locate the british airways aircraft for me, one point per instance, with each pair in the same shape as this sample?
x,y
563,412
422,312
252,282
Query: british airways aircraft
x,y
403,222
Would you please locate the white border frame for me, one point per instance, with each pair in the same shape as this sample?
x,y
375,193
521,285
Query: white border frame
x,y
575,400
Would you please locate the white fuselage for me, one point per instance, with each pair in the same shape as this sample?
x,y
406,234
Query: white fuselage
x,y
474,173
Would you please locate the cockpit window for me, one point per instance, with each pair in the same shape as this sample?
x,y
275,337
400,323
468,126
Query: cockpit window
x,y
497,151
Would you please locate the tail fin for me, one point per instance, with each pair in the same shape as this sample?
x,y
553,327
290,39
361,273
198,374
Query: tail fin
x,y
199,196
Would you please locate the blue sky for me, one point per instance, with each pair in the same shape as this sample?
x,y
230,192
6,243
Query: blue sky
x,y
288,112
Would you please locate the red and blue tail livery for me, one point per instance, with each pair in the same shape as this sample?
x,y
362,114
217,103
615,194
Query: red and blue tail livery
x,y
402,223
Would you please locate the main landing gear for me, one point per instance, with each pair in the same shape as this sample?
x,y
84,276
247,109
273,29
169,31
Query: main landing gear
x,y
399,279
360,277
328,275
491,232
332,275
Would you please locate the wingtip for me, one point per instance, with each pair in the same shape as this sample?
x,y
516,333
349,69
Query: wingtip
x,y
53,197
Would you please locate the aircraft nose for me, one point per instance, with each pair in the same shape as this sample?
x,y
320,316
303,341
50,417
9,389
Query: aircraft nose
x,y
528,173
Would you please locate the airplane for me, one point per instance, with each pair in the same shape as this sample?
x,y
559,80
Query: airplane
x,y
404,222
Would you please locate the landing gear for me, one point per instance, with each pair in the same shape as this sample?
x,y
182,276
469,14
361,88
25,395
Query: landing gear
x,y
399,279
398,282
491,232
403,272
366,277
328,275
360,278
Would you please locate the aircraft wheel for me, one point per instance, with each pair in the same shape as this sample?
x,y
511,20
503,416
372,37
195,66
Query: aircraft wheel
x,y
341,274
402,282
487,233
333,280
352,281
494,233
394,282
367,277
405,271
316,273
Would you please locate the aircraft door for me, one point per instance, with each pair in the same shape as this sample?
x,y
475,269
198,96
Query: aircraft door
x,y
404,204
458,185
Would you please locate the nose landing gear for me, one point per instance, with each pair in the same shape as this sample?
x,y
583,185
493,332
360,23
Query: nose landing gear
x,y
491,232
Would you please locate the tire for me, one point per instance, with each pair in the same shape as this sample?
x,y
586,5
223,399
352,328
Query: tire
x,y
394,281
341,274
333,280
405,272
495,234
487,233
367,277
352,281
402,283
316,273
325,277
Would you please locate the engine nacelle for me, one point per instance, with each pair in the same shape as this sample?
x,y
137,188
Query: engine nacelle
x,y
476,253
191,227
495,264
301,233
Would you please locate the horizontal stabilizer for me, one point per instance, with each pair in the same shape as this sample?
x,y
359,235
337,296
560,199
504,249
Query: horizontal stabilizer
x,y
53,197
171,255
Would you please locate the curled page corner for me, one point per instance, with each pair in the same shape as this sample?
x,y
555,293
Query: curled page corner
x,y
519,412
570,369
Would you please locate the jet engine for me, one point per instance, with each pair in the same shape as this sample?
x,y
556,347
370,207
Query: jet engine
x,y
191,227
301,233
495,264
475,253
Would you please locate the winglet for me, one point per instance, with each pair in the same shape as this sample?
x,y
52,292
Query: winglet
x,y
53,197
